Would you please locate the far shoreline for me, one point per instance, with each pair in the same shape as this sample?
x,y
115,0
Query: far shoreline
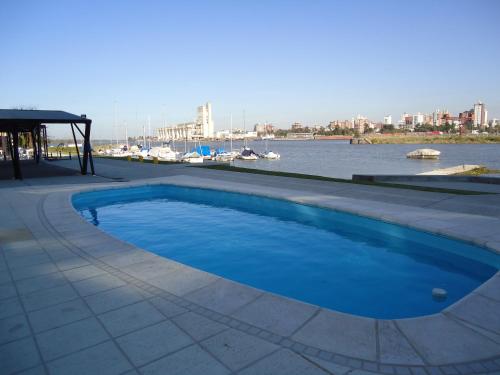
x,y
408,139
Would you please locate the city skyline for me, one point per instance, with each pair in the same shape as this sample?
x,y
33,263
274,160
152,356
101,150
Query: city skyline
x,y
280,62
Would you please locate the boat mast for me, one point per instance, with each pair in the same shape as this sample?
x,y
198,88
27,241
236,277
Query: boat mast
x,y
231,134
149,130
114,124
126,134
244,130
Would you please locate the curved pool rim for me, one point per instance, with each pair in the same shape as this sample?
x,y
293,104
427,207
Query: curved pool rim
x,y
441,233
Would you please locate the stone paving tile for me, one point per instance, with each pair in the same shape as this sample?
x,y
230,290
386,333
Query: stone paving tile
x,y
104,358
107,248
73,261
7,290
237,349
394,348
5,278
223,296
189,361
153,342
198,326
128,258
478,310
130,318
461,345
28,260
13,328
331,367
491,288
151,268
9,307
340,333
56,316
182,281
81,273
38,370
268,311
40,282
70,338
46,297
283,362
32,271
167,308
18,355
114,298
98,284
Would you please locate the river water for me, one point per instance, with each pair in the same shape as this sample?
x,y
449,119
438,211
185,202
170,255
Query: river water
x,y
340,159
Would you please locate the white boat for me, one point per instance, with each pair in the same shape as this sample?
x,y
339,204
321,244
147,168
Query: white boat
x,y
424,153
227,156
248,154
164,153
270,155
192,157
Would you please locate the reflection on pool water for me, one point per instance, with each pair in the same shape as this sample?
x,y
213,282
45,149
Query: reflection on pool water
x,y
332,259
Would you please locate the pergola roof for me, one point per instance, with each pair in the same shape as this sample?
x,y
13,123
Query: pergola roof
x,y
20,117
16,121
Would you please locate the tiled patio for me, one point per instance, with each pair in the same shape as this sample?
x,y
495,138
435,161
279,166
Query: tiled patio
x,y
74,300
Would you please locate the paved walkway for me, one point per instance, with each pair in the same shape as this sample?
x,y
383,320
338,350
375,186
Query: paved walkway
x,y
74,300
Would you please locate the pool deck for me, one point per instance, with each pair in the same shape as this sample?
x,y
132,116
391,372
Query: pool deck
x,y
74,300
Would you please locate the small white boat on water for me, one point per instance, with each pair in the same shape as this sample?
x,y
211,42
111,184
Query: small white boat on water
x,y
424,153
270,155
248,154
192,157
226,156
164,153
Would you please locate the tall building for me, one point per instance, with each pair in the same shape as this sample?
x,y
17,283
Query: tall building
x,y
480,114
388,120
418,119
202,128
205,121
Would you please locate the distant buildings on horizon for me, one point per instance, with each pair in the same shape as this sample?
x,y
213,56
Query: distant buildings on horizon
x,y
473,119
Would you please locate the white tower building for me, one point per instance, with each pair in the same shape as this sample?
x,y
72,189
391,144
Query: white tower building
x,y
205,120
480,114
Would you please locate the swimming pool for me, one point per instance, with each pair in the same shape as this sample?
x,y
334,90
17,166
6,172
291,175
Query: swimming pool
x,y
328,258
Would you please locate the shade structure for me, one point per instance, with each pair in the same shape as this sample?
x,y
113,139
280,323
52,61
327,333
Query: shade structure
x,y
16,121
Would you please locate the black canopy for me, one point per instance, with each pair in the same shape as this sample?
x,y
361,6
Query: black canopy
x,y
15,121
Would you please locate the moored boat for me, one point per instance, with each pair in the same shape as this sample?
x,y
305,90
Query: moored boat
x,y
248,154
424,153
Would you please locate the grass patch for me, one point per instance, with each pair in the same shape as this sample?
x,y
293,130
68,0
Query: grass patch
x,y
478,172
341,180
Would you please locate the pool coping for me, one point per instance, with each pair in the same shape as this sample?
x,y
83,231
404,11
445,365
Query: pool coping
x,y
362,343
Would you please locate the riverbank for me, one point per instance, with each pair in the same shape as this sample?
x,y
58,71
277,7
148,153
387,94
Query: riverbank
x,y
435,139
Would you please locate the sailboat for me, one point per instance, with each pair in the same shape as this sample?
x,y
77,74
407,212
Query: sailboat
x,y
226,156
269,154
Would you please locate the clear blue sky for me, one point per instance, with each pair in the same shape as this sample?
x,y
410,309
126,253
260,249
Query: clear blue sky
x,y
281,61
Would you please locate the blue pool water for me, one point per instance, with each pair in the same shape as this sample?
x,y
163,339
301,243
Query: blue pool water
x,y
328,258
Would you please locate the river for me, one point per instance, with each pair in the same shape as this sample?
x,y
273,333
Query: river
x,y
340,159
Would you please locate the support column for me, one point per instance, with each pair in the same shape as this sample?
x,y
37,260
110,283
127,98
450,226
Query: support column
x,y
76,146
87,149
34,143
38,144
15,155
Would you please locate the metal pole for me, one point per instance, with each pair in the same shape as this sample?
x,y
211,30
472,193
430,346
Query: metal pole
x,y
86,148
77,150
39,143
15,159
